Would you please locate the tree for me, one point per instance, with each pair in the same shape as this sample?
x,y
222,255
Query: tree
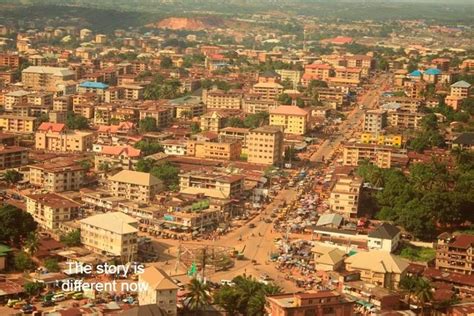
x,y
234,122
72,239
144,165
284,99
86,164
198,296
228,298
195,128
149,147
75,121
32,243
33,288
15,225
290,154
408,284
166,62
51,265
12,176
104,166
256,120
424,293
167,173
148,124
23,262
186,114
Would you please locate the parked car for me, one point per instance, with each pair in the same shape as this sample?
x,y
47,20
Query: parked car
x,y
47,303
251,225
28,308
58,298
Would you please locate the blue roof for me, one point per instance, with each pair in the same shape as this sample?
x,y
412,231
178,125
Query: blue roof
x,y
415,73
433,71
93,85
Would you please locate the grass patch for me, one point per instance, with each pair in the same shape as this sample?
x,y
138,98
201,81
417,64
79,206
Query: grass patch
x,y
420,254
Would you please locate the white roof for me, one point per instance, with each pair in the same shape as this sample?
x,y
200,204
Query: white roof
x,y
56,71
135,177
377,261
116,222
18,93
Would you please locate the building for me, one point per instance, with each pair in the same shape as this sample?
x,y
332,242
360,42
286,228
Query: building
x,y
293,119
18,124
293,76
268,91
113,234
13,156
135,186
385,237
45,78
9,60
51,209
464,141
163,115
213,150
454,253
219,99
56,137
460,89
380,268
304,304
381,156
57,176
382,139
344,197
375,121
404,119
124,157
161,290
174,147
13,98
327,258
213,121
211,184
232,134
188,107
265,145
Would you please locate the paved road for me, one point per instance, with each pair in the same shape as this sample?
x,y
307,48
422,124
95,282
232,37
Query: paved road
x,y
353,122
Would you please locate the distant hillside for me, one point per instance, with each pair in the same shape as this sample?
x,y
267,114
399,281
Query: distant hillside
x,y
189,24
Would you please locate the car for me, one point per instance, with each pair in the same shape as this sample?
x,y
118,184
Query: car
x,y
227,282
267,220
251,225
58,298
12,302
265,277
78,296
48,303
28,308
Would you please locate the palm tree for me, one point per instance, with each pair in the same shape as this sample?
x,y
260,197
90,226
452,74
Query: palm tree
x,y
408,284
32,243
198,296
256,304
424,293
12,176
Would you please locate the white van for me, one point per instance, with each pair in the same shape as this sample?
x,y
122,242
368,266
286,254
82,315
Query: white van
x,y
58,298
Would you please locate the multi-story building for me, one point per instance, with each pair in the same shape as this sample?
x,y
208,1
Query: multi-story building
x,y
134,186
9,60
188,107
213,121
211,184
174,147
293,119
57,176
293,76
161,290
460,89
375,121
268,91
335,98
316,71
382,139
124,157
13,156
114,234
315,304
219,99
255,104
265,145
162,114
230,134
378,267
55,137
213,150
455,253
344,197
14,98
45,78
404,119
51,209
382,156
18,124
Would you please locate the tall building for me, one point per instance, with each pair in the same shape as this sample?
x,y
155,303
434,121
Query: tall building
x,y
460,89
45,78
268,91
18,124
213,121
135,186
455,253
13,156
219,99
211,184
265,145
382,156
57,176
293,119
56,137
315,304
114,234
344,197
161,290
50,209
375,121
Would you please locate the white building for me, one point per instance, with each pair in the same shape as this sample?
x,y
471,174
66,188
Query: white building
x,y
161,290
386,237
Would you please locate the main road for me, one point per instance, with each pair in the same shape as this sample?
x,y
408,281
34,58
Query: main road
x,y
348,126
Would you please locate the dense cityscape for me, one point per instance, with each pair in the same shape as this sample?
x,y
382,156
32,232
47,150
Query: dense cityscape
x,y
241,158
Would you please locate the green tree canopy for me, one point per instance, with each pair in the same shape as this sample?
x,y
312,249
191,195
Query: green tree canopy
x,y
23,262
148,124
149,147
75,121
72,239
15,224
